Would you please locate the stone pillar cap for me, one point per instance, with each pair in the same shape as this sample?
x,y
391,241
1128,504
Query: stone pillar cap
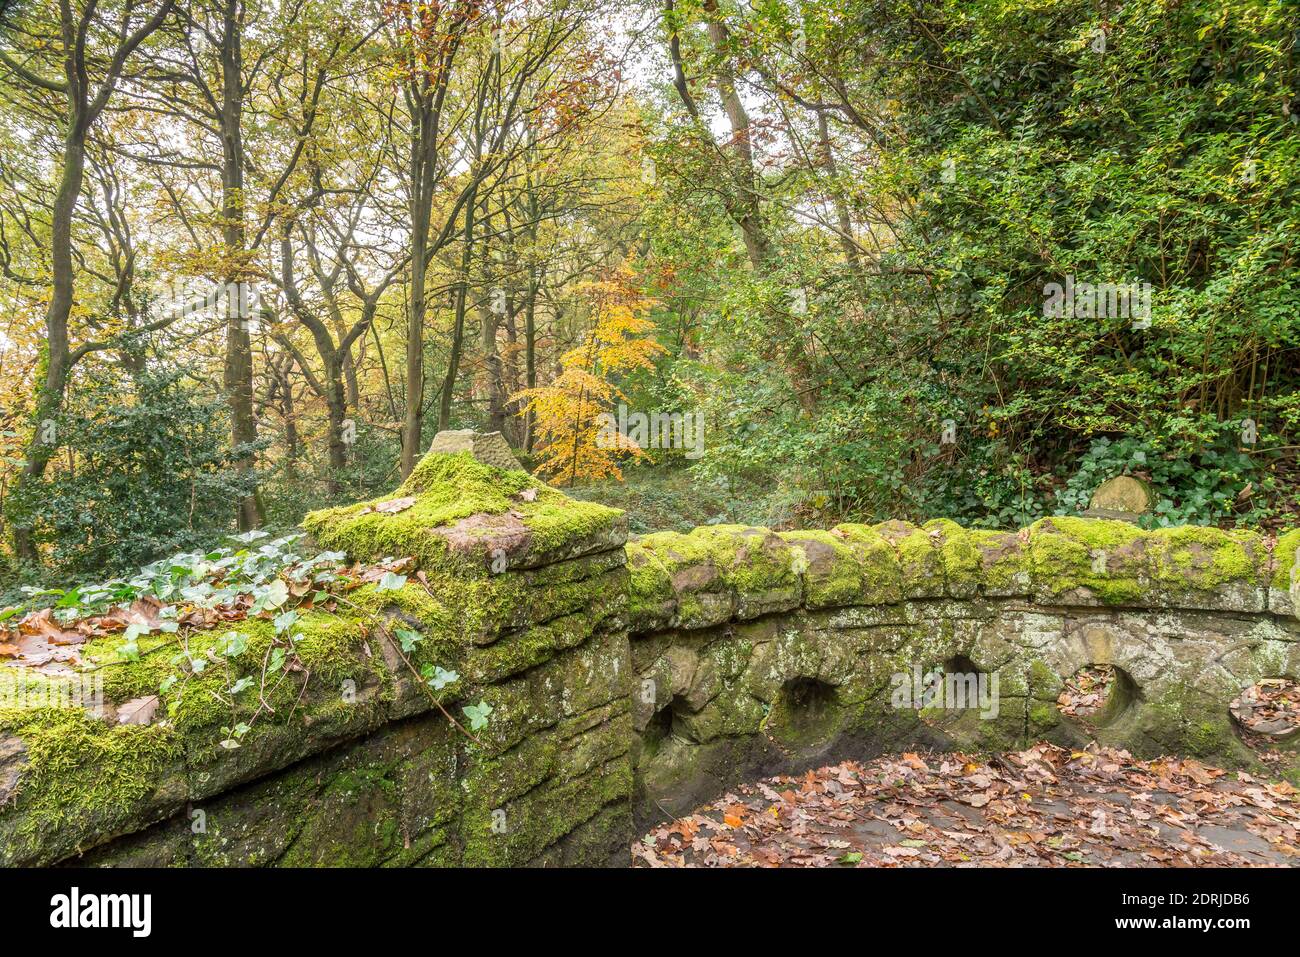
x,y
490,448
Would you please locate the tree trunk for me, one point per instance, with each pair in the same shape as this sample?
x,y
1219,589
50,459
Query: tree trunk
x,y
49,400
238,378
458,323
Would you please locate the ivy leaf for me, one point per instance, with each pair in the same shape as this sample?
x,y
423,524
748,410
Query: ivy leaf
x,y
391,582
408,639
232,644
276,594
233,735
439,677
478,715
284,621
240,685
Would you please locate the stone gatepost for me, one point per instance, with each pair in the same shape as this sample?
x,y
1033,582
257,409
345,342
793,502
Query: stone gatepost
x,y
524,600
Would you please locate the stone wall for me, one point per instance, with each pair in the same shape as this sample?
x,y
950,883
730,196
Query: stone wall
x,y
629,681
759,652
518,590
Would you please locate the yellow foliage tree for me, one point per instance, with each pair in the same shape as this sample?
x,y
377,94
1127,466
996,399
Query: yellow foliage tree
x,y
569,413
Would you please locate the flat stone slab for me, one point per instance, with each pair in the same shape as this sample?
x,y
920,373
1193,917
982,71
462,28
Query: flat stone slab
x,y
490,448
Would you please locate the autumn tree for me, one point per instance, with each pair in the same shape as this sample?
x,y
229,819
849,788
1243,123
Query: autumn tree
x,y
73,59
570,412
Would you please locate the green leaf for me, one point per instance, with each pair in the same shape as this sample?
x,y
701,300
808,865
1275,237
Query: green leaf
x,y
439,677
478,715
276,594
408,639
391,582
232,644
240,685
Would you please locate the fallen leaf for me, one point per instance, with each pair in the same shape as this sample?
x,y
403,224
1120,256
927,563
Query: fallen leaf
x,y
138,710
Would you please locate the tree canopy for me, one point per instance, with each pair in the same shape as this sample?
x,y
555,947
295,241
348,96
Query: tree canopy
x,y
961,258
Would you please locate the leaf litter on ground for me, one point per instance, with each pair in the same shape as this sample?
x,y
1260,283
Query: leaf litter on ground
x,y
1042,807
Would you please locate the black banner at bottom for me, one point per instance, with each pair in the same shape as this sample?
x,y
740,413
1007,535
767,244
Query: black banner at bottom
x,y
339,908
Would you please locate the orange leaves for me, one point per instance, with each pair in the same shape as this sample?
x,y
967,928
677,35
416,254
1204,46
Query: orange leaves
x,y
572,413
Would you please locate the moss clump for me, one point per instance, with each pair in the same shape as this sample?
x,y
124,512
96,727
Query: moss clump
x,y
832,572
1004,562
84,772
882,574
537,520
920,565
1107,559
1203,559
193,679
518,652
650,589
1285,573
720,570
1118,563
963,568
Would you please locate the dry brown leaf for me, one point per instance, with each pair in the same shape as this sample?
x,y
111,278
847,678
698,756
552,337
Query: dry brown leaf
x,y
138,710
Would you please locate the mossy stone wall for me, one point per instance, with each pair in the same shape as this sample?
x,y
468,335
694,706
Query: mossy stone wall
x,y
737,631
516,589
628,679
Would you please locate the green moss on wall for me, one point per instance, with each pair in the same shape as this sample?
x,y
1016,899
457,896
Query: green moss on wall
x,y
1284,560
448,488
81,771
1106,558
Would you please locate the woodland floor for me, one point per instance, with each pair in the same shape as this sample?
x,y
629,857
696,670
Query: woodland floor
x,y
1043,807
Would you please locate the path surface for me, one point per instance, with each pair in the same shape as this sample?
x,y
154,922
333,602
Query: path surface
x,y
1044,807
